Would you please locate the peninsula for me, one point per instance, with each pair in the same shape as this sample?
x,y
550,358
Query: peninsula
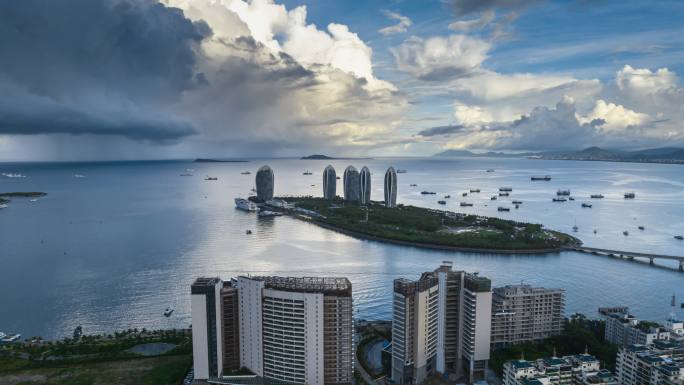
x,y
422,227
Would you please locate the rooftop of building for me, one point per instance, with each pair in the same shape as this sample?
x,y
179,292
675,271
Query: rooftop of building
x,y
586,357
204,285
526,289
554,361
325,285
521,364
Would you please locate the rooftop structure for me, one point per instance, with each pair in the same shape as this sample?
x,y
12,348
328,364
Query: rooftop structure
x,y
580,369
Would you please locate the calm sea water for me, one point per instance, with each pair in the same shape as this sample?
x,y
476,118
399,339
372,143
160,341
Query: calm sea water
x,y
114,249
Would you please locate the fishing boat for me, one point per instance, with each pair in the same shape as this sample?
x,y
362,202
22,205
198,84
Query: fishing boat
x,y
503,208
630,195
642,228
413,185
504,194
307,172
571,198
245,173
466,204
441,202
680,237
596,196
563,193
401,171
465,194
211,178
474,190
248,232
493,198
517,202
625,233
559,200
587,205
544,178
490,170
447,196
428,192
506,189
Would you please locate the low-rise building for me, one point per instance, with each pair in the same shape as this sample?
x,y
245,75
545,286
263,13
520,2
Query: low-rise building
x,y
624,329
660,363
580,369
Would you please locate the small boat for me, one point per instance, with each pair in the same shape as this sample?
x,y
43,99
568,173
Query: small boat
x,y
587,205
307,172
630,195
680,237
517,202
571,198
490,170
504,194
447,196
575,228
268,213
248,232
79,176
596,196
401,171
493,198
466,204
211,178
559,200
563,193
503,208
642,228
313,185
474,190
441,202
506,189
595,231
412,184
544,178
246,205
168,312
3,206
428,192
465,194
245,173
625,233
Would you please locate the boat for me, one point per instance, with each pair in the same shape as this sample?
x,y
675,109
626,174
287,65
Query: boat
x,y
246,205
307,172
544,178
504,194
517,206
503,208
412,184
10,175
447,196
493,198
441,202
401,171
571,198
506,189
245,173
168,312
642,228
268,213
625,233
559,200
587,205
248,232
682,305
595,231
8,338
474,190
465,194
680,237
428,192
79,176
466,204
563,193
596,196
33,200
211,178
490,170
3,206
630,195
574,227
517,202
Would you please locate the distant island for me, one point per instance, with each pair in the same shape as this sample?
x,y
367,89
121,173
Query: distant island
x,y
317,156
422,227
669,155
205,160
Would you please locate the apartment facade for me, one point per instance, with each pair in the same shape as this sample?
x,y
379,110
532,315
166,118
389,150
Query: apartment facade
x,y
661,363
283,329
624,329
522,313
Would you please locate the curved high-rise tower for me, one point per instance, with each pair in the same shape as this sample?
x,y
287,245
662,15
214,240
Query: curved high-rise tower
x,y
364,186
351,184
391,188
329,182
264,183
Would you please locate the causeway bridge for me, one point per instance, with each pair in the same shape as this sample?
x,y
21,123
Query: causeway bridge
x,y
628,255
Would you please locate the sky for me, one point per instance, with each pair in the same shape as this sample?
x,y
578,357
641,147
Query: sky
x,y
152,79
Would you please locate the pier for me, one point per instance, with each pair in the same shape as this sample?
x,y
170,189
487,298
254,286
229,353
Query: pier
x,y
628,255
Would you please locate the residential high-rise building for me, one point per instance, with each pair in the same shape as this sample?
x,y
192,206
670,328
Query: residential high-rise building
x,y
458,315
207,337
624,329
414,329
329,182
660,363
282,329
391,188
522,313
364,186
264,183
351,184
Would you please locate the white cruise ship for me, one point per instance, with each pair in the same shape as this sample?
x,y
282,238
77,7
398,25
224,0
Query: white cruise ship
x,y
244,204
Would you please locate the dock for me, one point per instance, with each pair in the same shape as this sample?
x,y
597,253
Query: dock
x,y
628,255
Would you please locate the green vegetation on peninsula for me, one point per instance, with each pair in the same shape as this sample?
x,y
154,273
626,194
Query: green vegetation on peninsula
x,y
432,228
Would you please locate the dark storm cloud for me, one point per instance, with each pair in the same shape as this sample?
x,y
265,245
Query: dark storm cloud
x,y
442,130
96,67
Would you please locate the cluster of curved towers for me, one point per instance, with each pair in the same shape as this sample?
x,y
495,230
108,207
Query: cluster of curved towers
x,y
357,185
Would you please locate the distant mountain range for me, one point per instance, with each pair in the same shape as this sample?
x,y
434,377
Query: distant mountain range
x,y
653,155
317,156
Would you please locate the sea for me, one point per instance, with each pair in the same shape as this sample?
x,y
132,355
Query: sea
x,y
114,244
